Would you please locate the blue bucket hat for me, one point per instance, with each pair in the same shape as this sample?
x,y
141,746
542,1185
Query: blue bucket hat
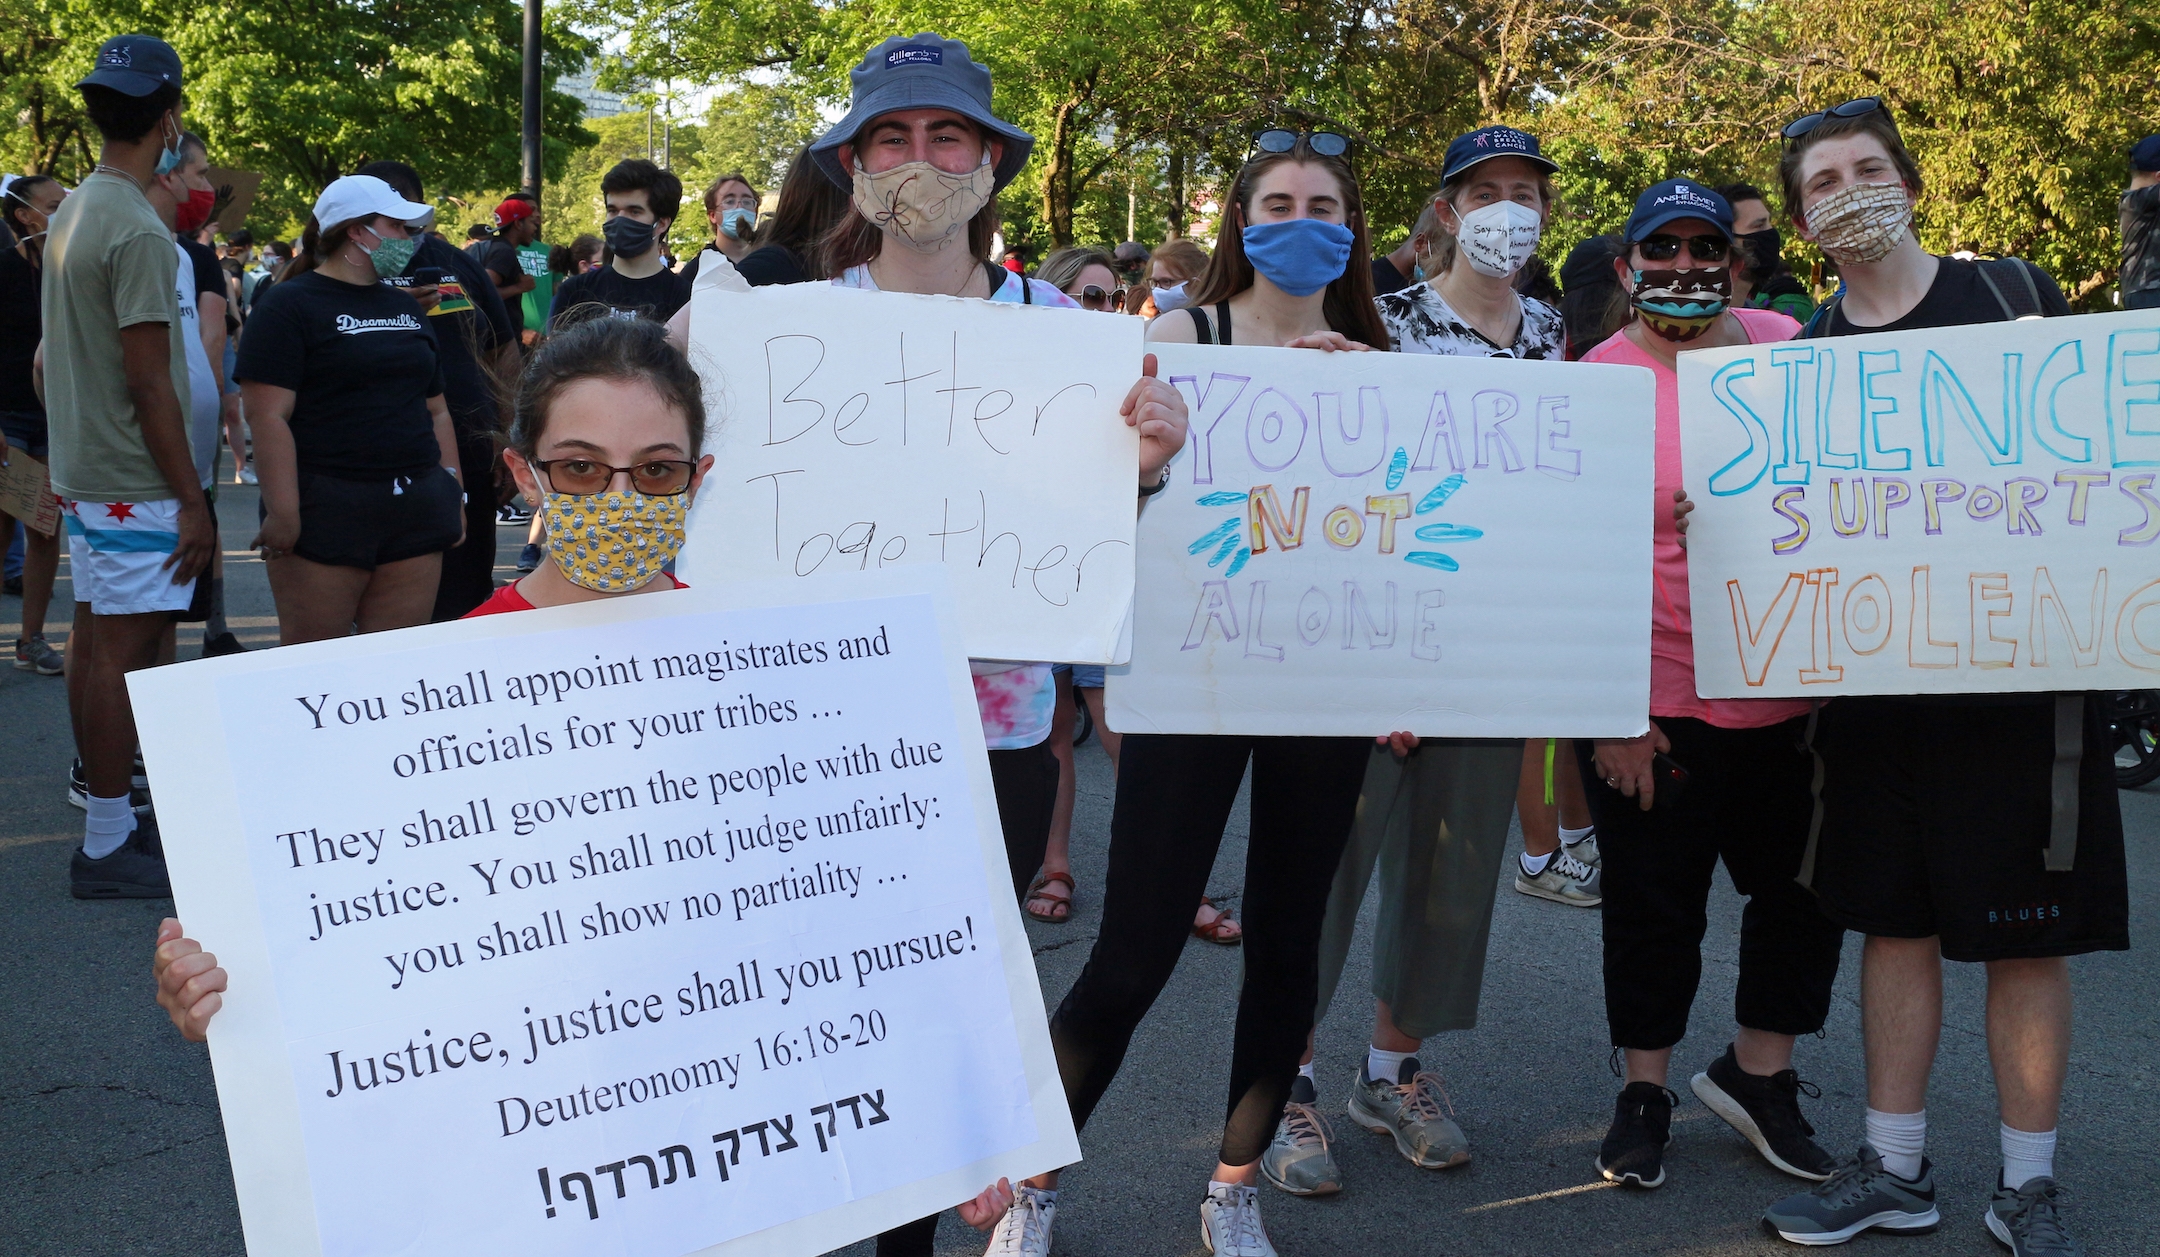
x,y
135,65
927,71
2145,155
1675,199
1486,143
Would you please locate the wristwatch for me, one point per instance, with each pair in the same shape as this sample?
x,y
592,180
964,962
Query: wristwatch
x,y
1149,491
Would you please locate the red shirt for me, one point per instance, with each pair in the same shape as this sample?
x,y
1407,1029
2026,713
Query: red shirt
x,y
509,599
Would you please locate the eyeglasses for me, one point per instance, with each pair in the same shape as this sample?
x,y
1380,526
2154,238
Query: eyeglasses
x,y
582,477
1093,297
1325,143
1666,248
1850,109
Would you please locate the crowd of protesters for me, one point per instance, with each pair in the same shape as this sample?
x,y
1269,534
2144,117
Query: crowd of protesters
x,y
363,379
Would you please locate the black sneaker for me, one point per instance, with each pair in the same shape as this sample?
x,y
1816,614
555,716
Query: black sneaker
x,y
136,870
222,644
1633,1154
79,790
1767,1111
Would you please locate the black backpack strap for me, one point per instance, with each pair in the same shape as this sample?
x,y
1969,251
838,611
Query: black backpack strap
x,y
1818,324
1222,318
2009,300
1202,329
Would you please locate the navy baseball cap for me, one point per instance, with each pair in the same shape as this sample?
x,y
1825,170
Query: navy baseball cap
x,y
926,71
2145,154
1675,199
135,65
1486,143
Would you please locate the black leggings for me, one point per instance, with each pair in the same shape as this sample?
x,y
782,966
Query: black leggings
x,y
1026,781
1174,796
468,570
1747,802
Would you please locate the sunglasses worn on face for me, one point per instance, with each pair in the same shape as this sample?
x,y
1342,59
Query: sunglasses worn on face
x,y
582,477
1325,143
1850,109
1093,297
1666,248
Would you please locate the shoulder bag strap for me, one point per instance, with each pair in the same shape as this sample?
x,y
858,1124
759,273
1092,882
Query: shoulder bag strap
x,y
1202,329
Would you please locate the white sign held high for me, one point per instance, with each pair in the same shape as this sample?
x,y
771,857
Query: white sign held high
x,y
1951,510
859,430
667,924
1354,543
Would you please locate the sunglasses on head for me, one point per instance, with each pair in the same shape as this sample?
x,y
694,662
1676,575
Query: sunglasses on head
x,y
1325,143
1093,297
1666,248
1850,109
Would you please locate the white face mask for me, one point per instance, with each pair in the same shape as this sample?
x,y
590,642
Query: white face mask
x,y
1498,239
1171,298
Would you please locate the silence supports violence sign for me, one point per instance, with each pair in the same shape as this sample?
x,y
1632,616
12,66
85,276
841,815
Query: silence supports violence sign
x,y
1951,510
670,924
1354,543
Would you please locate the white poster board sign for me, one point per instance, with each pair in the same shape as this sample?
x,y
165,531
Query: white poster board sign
x,y
1354,543
660,925
858,430
1950,510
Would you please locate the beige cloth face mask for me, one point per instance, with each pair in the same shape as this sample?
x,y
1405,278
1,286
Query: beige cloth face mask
x,y
927,207
1861,222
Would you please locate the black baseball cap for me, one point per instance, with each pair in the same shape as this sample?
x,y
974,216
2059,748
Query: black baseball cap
x,y
925,71
2145,155
1675,199
135,65
1486,143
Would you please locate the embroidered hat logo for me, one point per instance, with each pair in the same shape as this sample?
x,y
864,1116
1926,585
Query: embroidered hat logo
x,y
914,54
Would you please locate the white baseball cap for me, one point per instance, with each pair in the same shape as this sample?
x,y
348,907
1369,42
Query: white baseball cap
x,y
364,196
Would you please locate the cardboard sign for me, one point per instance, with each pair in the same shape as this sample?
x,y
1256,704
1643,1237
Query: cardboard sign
x,y
857,430
666,924
1355,543
236,191
26,490
1951,510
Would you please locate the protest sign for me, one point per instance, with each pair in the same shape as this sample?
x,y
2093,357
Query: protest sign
x,y
236,191
1950,510
858,430
658,925
26,490
1357,543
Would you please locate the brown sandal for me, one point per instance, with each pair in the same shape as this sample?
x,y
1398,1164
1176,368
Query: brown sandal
x,y
1224,929
1060,909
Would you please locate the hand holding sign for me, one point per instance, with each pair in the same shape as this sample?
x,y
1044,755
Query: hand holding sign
x,y
1158,413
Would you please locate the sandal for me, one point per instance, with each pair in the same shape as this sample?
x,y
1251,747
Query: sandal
x,y
1222,929
1060,909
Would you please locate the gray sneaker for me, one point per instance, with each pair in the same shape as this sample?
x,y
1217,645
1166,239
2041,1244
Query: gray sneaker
x,y
1859,1195
1024,1231
2027,1221
1230,1222
1586,850
1301,1161
1565,880
35,654
1410,1110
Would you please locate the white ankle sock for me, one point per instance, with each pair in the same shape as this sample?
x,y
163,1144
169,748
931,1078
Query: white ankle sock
x,y
106,825
2027,1155
1384,1066
1305,1071
1570,837
1899,1139
1532,865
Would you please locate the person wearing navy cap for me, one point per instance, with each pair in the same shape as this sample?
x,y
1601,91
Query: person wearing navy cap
x,y
2140,277
1748,802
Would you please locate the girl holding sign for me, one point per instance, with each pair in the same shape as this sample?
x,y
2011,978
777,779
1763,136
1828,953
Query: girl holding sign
x,y
1713,779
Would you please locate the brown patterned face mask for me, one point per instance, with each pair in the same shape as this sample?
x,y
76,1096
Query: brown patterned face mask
x,y
1861,222
925,206
1681,305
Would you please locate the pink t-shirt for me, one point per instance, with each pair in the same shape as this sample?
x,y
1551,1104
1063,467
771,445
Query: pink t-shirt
x,y
1672,641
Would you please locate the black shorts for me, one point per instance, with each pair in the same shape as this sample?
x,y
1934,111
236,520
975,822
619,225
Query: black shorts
x,y
367,523
1935,824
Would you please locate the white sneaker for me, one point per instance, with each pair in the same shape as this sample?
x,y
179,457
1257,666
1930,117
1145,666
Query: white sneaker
x,y
1565,880
1024,1231
247,472
1586,851
1230,1222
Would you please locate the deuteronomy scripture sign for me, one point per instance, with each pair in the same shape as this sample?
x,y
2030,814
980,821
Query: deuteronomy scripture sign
x,y
1961,509
670,924
1354,543
859,430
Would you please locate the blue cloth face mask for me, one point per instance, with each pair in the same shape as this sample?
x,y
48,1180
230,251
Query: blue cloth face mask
x,y
1301,256
168,158
737,224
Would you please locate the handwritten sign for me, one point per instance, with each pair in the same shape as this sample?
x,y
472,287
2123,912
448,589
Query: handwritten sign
x,y
859,430
1358,543
26,490
1961,509
662,925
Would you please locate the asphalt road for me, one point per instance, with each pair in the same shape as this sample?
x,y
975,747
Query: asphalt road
x,y
111,1144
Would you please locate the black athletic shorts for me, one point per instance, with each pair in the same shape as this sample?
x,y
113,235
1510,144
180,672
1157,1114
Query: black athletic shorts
x,y
1935,824
367,523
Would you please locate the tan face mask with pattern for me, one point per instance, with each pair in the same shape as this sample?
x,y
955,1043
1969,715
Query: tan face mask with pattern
x,y
1861,222
927,207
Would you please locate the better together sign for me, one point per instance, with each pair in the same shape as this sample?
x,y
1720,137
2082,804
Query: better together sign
x,y
860,430
663,925
1354,543
1961,509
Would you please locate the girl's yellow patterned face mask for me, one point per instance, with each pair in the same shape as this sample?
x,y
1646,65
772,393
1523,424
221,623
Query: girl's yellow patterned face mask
x,y
614,542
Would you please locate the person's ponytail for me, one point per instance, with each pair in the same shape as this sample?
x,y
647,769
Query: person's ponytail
x,y
316,247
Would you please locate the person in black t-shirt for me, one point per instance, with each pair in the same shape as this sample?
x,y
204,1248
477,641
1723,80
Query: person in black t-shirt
x,y
27,206
354,445
2140,221
517,221
1935,812
642,201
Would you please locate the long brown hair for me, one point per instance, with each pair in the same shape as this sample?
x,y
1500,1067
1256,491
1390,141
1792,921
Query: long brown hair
x,y
853,240
808,207
316,247
1348,305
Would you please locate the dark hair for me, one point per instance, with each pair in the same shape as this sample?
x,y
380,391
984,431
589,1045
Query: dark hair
x,y
316,247
1064,266
18,199
403,179
190,140
1876,122
1348,306
712,190
1593,305
240,239
561,261
663,191
1734,193
808,206
479,231
587,246
122,118
853,240
606,349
